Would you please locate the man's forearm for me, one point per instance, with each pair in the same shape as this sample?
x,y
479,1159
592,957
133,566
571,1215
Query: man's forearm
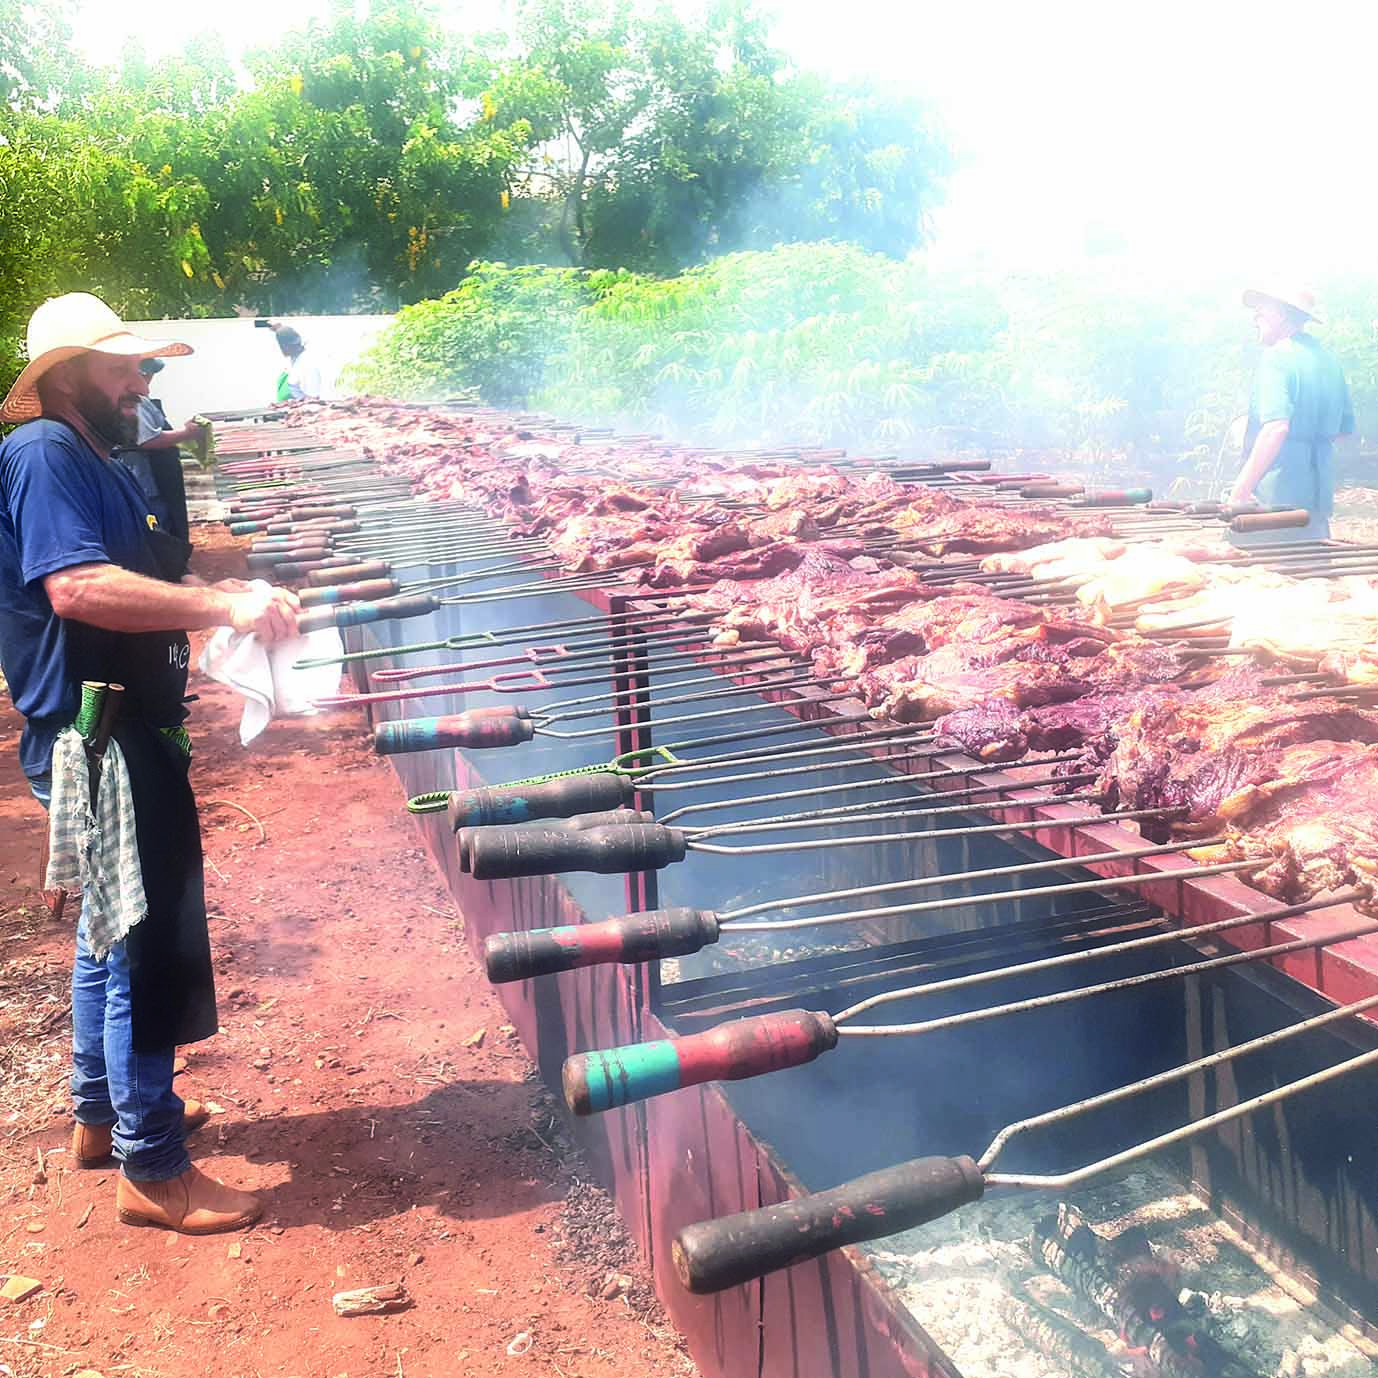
x,y
118,600
1267,447
165,440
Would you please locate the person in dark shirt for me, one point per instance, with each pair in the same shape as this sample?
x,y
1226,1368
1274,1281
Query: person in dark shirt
x,y
93,589
156,461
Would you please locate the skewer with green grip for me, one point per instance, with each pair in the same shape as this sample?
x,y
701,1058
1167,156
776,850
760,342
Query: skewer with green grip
x,y
598,1081
356,614
363,591
1118,497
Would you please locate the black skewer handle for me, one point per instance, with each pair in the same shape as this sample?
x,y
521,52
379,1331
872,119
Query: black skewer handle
x,y
282,546
507,804
1051,490
717,1254
503,725
508,853
1270,521
355,614
628,939
743,1048
348,574
294,570
363,591
311,528
586,822
315,558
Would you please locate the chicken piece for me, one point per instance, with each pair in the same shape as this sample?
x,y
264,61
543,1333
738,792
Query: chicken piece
x,y
1226,592
1352,664
1078,551
1301,625
1135,578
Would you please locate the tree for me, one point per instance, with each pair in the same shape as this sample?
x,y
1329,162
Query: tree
x,y
664,141
35,51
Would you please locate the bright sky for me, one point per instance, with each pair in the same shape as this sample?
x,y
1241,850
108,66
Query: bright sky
x,y
1216,134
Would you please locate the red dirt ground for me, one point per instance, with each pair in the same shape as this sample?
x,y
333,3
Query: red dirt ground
x,y
390,1141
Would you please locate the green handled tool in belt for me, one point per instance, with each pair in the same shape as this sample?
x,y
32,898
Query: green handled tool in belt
x,y
100,707
95,720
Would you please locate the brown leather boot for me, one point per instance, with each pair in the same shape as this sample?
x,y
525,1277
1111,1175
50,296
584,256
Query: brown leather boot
x,y
92,1143
190,1204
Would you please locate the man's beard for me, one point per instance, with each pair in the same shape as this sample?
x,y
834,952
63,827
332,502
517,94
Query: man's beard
x,y
105,417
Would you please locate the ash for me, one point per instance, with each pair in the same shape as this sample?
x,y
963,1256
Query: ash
x,y
957,1274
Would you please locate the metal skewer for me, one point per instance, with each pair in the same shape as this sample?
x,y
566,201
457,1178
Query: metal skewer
x,y
763,1043
714,1255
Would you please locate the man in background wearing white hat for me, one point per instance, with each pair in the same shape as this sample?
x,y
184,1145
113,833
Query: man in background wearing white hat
x,y
91,589
1299,407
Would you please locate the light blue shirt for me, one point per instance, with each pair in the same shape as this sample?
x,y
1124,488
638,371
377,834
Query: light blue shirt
x,y
1300,382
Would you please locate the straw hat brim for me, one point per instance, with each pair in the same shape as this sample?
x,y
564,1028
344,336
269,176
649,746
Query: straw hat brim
x,y
1255,295
22,402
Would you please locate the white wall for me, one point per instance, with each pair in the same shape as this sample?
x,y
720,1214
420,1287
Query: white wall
x,y
236,364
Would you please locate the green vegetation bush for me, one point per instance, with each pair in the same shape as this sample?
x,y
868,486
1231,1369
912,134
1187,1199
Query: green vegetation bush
x,y
829,344
376,150
494,335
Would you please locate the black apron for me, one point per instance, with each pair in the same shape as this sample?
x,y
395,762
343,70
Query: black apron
x,y
172,986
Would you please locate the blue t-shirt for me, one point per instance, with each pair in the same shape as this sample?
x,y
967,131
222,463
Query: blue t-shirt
x,y
1300,382
61,504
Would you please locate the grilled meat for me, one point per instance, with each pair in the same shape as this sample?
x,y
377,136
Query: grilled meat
x,y
978,530
921,688
1121,679
1217,752
1313,824
826,594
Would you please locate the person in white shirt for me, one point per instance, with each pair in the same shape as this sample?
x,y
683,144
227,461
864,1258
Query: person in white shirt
x,y
304,377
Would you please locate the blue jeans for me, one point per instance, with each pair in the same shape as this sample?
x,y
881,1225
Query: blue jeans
x,y
111,1083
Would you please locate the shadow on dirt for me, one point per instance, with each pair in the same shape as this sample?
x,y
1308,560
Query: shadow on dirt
x,y
347,1167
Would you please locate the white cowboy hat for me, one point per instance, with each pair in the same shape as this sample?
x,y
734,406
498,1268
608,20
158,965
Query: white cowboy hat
x,y
1291,294
64,327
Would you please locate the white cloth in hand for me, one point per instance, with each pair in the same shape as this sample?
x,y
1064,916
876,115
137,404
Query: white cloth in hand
x,y
264,674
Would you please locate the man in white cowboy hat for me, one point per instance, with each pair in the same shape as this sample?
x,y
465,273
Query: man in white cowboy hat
x,y
1299,407
92,589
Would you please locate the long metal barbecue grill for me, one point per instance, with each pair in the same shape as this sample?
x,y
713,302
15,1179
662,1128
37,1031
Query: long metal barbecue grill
x,y
1185,1059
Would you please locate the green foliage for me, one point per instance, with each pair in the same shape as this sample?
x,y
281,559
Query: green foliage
x,y
377,152
829,344
34,43
668,141
493,335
